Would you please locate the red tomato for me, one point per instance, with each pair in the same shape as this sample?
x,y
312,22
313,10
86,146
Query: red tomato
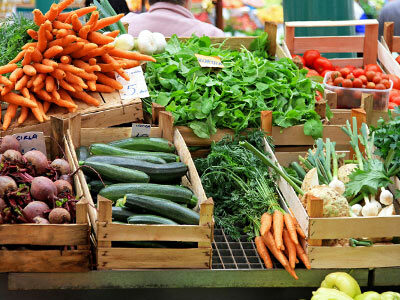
x,y
335,74
350,76
344,72
393,93
377,79
324,73
309,57
336,68
386,83
347,83
312,73
321,64
300,58
371,85
392,105
385,76
370,75
350,67
338,81
318,96
398,59
396,100
380,86
364,86
363,79
358,72
372,67
357,83
396,81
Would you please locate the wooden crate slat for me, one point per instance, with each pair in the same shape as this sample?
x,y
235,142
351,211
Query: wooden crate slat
x,y
387,61
52,234
342,62
132,258
376,256
330,23
396,44
329,44
127,232
371,227
44,261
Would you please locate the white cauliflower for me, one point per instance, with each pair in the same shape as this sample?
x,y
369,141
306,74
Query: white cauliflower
x,y
310,180
344,172
335,205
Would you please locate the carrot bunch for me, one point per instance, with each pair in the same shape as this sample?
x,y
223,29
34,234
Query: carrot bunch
x,y
281,234
68,60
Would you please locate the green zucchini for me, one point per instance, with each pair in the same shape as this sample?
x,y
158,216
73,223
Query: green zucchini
x,y
150,219
104,149
82,153
121,214
115,173
97,185
145,144
176,194
159,173
163,207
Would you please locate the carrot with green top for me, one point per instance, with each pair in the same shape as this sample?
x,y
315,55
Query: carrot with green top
x,y
29,70
290,227
16,74
22,82
39,79
263,252
38,17
102,88
110,82
301,254
49,83
18,57
107,22
76,23
94,17
291,249
277,221
42,38
79,12
112,34
58,74
28,56
23,115
61,25
41,68
52,13
53,51
32,33
266,223
297,225
9,115
99,39
65,85
36,56
75,47
63,5
83,32
85,97
5,81
98,51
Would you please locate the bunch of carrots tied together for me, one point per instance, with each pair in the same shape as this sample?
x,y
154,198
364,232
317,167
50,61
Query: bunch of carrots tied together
x,y
67,60
281,235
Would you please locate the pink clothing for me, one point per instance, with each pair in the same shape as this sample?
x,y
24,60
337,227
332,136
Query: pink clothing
x,y
169,19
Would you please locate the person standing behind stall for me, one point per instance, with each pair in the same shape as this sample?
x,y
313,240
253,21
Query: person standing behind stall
x,y
390,13
170,17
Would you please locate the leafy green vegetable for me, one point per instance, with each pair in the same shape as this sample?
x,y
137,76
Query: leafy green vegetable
x,y
246,191
206,99
13,36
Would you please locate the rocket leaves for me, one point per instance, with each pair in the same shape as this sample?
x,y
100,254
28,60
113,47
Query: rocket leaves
x,y
233,97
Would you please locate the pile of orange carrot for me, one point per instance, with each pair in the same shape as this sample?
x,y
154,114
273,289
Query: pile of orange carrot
x,y
67,60
280,234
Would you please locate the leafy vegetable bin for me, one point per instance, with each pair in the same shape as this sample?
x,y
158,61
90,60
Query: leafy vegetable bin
x,y
49,247
112,256
318,229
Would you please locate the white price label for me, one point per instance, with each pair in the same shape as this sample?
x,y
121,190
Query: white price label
x,y
31,141
141,130
136,87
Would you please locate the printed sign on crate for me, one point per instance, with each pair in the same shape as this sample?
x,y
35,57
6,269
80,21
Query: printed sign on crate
x,y
31,141
141,130
136,87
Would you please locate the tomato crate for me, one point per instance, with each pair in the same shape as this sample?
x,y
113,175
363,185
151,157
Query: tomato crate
x,y
111,257
317,228
50,247
112,111
373,52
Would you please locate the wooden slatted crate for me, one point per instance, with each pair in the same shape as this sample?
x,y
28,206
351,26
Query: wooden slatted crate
x,y
112,111
111,257
52,247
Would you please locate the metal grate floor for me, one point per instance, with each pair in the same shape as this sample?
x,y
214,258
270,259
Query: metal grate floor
x,y
232,254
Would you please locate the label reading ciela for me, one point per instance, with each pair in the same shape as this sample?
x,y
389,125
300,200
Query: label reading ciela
x,y
31,141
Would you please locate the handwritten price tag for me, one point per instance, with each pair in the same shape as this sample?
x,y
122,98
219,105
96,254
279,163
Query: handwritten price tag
x,y
31,141
141,130
209,61
134,88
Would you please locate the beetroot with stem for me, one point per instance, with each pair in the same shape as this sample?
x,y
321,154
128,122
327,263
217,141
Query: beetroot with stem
x,y
61,165
7,184
63,187
40,220
43,189
67,178
12,156
59,216
38,161
9,142
34,209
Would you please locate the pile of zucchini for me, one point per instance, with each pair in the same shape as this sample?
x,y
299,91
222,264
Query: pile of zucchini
x,y
141,175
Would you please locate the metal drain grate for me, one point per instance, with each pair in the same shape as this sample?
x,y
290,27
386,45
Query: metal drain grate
x,y
232,254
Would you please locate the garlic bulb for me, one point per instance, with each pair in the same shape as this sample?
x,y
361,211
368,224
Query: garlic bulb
x,y
356,209
376,203
369,209
387,211
337,185
386,197
124,42
160,42
146,43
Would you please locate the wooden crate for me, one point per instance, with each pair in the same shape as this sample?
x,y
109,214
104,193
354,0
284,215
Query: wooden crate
x,y
318,228
65,247
109,257
373,51
112,111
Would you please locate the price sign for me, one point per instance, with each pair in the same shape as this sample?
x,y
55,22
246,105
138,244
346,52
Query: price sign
x,y
209,61
136,87
31,141
141,130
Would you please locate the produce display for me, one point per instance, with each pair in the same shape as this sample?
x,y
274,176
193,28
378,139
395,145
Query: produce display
x,y
201,98
142,177
248,201
33,189
342,286
68,60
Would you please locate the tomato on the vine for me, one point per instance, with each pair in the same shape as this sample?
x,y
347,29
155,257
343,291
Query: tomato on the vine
x,y
321,64
372,67
309,56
